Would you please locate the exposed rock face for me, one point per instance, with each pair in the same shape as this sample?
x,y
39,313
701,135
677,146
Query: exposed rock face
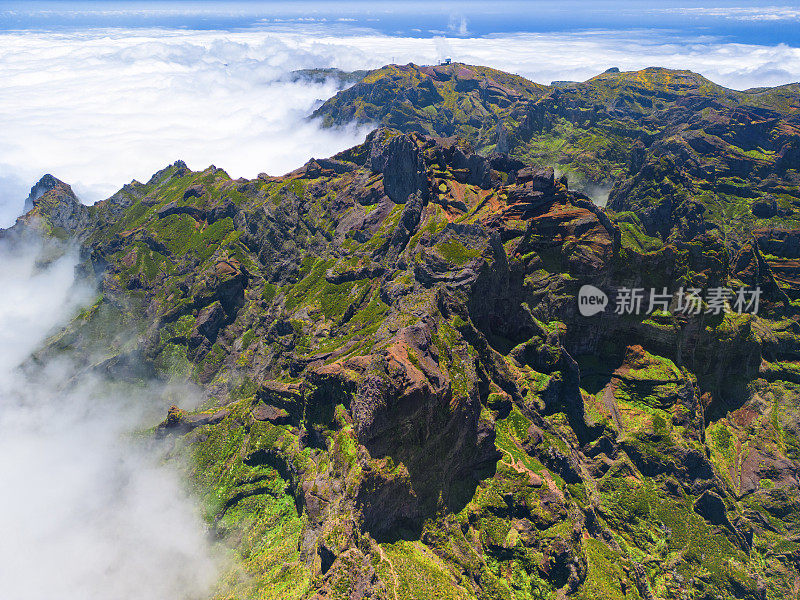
x,y
53,205
45,184
679,150
404,400
399,160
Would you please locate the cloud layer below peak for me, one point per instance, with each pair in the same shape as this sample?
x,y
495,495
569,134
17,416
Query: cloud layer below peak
x,y
98,108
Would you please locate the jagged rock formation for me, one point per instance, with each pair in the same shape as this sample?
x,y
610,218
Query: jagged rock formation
x,y
403,399
45,184
682,153
54,200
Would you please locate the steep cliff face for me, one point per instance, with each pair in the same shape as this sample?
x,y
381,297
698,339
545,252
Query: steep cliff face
x,y
53,208
403,400
686,155
45,184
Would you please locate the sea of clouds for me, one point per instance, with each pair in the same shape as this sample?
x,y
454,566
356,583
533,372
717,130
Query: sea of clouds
x,y
97,108
87,511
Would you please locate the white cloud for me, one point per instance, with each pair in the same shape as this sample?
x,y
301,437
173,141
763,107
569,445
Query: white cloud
x,y
738,13
98,108
34,299
458,25
545,57
86,512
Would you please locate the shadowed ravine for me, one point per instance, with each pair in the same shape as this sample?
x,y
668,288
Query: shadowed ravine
x,y
398,396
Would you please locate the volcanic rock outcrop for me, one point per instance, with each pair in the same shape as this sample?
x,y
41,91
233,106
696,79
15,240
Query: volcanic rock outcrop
x,y
402,398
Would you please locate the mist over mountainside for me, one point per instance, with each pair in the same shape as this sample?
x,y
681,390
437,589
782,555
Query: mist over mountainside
x,y
98,106
400,394
87,511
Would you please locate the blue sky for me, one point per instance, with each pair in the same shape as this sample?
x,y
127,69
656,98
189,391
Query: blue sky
x,y
743,22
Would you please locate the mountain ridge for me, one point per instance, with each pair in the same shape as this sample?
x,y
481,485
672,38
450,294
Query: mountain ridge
x,y
402,397
723,152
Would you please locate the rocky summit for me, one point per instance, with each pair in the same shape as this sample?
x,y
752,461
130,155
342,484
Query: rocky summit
x,y
403,399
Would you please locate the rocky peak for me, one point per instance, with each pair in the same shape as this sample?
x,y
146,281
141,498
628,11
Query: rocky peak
x,y
436,100
176,169
44,185
398,158
53,205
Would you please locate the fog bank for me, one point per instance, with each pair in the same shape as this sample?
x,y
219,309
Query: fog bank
x,y
99,107
88,511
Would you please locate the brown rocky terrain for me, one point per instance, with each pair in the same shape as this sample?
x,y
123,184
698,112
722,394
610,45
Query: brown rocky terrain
x,y
402,397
